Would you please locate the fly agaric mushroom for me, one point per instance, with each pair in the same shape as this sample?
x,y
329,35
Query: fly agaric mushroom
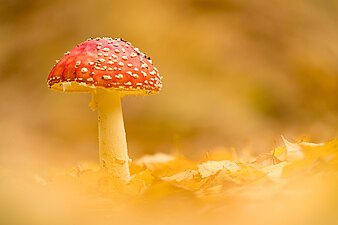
x,y
109,69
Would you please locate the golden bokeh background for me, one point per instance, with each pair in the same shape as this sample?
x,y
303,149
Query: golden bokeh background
x,y
237,73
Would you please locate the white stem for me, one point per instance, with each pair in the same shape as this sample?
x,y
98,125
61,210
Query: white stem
x,y
112,137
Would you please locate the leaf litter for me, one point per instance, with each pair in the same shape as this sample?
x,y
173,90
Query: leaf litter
x,y
292,181
176,173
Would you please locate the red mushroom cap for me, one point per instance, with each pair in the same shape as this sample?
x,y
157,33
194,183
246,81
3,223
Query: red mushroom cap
x,y
107,63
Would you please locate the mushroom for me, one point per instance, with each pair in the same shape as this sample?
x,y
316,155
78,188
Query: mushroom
x,y
109,69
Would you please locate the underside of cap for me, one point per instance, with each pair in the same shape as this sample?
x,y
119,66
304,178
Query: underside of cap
x,y
73,86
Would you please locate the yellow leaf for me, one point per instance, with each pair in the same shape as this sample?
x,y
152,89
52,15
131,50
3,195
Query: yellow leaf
x,y
183,176
188,180
293,150
274,171
163,165
247,173
210,168
140,182
280,153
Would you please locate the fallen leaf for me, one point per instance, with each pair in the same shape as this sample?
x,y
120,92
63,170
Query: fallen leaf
x,y
293,150
275,171
210,168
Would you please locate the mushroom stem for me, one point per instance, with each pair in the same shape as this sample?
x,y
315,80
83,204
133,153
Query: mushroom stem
x,y
112,137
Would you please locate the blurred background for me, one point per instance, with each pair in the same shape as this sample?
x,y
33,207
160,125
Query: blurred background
x,y
237,73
